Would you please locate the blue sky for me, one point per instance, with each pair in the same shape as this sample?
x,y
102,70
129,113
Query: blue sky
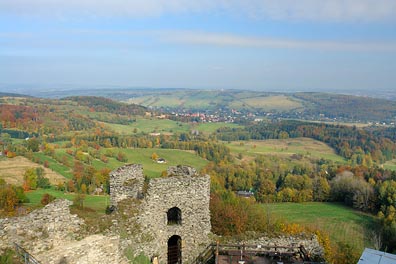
x,y
267,45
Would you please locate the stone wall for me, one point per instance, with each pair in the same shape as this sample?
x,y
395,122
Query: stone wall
x,y
310,244
53,235
126,182
42,229
183,189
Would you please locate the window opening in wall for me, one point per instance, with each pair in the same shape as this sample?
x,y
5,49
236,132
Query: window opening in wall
x,y
174,250
174,216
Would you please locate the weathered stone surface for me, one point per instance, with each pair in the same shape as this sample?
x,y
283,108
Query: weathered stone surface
x,y
53,235
183,189
126,182
311,244
42,229
181,170
94,249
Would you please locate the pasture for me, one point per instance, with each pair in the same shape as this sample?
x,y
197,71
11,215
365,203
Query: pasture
x,y
172,156
390,165
96,202
342,223
149,125
286,147
142,156
208,128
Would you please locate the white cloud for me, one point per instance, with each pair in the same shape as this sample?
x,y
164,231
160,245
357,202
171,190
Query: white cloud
x,y
311,10
204,38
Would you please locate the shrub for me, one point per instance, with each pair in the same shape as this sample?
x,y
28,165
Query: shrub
x,y
47,198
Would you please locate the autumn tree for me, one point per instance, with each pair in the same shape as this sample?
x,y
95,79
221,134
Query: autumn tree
x,y
122,157
154,156
47,198
30,179
33,144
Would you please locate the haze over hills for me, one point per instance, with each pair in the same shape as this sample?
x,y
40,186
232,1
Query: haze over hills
x,y
59,91
231,104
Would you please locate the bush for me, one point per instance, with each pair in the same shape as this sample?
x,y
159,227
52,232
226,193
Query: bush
x,y
47,198
78,201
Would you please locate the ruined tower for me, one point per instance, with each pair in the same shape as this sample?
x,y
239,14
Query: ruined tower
x,y
174,210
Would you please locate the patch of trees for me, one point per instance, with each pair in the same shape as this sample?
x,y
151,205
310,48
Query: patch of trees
x,y
88,180
275,180
11,197
34,178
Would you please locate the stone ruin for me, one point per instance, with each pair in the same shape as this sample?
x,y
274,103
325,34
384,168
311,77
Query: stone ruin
x,y
53,235
173,217
166,219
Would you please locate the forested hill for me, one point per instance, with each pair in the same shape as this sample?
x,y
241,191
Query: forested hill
x,y
101,104
304,105
298,105
347,106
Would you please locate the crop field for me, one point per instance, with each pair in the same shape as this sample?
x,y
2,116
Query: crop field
x,y
12,170
268,103
342,223
286,147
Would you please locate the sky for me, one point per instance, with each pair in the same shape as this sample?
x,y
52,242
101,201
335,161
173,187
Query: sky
x,y
272,45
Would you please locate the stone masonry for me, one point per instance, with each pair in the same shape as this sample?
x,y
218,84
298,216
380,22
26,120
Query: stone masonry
x,y
183,189
126,182
42,229
53,235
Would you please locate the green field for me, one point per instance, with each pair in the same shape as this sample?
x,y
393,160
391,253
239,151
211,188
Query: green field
x,y
54,165
172,156
267,103
96,202
390,165
208,128
149,125
342,223
142,156
286,147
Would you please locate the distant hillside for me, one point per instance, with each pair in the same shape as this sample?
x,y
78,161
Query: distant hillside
x,y
13,95
305,106
308,106
101,104
347,106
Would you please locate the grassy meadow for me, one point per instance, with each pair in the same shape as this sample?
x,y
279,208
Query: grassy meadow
x,y
342,223
285,147
208,128
267,103
134,155
149,125
390,165
96,202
